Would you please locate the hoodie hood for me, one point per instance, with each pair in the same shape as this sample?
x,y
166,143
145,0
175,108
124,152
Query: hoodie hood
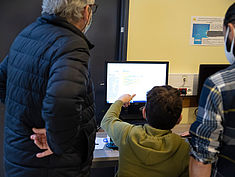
x,y
153,146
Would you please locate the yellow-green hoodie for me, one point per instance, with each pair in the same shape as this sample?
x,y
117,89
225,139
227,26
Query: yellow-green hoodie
x,y
146,151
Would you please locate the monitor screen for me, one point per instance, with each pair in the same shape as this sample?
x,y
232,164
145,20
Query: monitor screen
x,y
134,78
206,70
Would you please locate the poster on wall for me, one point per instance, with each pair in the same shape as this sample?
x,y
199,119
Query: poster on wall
x,y
207,31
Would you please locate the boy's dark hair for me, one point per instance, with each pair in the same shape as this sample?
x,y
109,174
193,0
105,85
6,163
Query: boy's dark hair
x,y
163,107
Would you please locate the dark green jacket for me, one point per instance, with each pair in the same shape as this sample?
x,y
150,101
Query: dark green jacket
x,y
146,151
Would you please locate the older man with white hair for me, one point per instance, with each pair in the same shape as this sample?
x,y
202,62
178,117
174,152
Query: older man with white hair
x,y
46,87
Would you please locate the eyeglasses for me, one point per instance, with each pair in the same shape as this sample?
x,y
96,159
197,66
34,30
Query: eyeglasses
x,y
93,7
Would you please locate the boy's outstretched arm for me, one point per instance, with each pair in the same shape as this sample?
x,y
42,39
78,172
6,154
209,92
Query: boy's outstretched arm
x,y
116,128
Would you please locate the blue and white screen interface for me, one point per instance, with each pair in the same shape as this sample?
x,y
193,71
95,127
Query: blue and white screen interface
x,y
134,78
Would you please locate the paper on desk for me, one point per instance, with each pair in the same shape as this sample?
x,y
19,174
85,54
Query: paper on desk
x,y
99,143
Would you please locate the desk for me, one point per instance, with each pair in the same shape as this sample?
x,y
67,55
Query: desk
x,y
104,157
181,128
109,158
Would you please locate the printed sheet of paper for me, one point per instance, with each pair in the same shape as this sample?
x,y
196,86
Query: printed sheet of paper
x,y
207,31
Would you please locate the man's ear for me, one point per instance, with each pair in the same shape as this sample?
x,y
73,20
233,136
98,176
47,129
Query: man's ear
x,y
179,120
231,31
144,113
86,13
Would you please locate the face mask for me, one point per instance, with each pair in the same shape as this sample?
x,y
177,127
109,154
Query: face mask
x,y
88,25
230,56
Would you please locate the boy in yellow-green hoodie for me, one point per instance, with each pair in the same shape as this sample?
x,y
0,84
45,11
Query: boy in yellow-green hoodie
x,y
151,150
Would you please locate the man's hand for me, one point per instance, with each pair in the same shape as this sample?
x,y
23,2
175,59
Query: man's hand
x,y
40,140
185,134
198,169
126,98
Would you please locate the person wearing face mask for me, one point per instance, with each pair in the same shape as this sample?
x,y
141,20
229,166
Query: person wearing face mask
x,y
45,84
213,132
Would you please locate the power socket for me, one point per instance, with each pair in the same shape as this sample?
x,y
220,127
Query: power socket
x,y
183,91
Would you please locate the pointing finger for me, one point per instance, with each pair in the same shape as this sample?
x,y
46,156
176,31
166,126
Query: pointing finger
x,y
132,96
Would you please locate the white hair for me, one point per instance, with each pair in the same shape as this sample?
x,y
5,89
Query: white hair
x,y
69,9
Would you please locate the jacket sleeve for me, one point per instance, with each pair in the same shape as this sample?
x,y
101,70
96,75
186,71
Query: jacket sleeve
x,y
185,173
115,128
64,100
3,79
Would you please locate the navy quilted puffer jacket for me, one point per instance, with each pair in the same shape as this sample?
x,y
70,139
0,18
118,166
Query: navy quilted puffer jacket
x,y
45,83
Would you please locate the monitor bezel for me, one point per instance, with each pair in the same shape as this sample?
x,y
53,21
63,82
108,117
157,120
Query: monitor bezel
x,y
134,62
202,68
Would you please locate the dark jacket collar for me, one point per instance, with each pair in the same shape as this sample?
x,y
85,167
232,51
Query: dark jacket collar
x,y
59,21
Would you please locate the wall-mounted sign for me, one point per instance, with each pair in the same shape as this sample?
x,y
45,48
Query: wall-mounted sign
x,y
207,31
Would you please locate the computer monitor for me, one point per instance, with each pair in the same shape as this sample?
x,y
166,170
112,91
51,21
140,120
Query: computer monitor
x,y
134,78
206,70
